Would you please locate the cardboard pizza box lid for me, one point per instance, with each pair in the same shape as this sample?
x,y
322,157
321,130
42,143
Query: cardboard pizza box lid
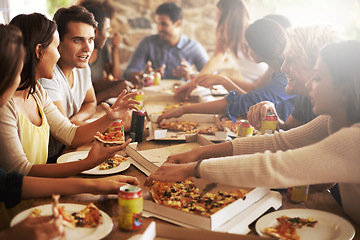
x,y
148,161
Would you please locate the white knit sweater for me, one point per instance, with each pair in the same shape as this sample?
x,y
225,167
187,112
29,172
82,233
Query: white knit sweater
x,y
309,154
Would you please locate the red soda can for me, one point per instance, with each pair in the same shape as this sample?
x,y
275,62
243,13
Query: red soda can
x,y
148,79
118,125
130,207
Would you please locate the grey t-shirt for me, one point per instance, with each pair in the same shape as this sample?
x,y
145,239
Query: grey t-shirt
x,y
59,89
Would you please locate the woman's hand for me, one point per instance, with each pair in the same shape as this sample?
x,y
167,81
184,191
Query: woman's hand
x,y
112,184
258,112
172,172
172,113
123,103
100,152
36,228
184,157
209,80
183,93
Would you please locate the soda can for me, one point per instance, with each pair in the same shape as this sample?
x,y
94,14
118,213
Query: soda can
x,y
137,125
148,79
130,201
157,78
118,125
139,97
298,194
244,129
268,126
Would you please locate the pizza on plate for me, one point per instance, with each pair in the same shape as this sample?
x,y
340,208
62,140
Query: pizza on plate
x,y
187,197
88,217
112,137
286,229
112,162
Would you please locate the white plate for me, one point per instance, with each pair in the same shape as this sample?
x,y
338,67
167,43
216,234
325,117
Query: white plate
x,y
78,233
76,156
329,226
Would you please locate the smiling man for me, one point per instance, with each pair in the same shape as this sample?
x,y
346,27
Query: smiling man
x,y
71,89
169,52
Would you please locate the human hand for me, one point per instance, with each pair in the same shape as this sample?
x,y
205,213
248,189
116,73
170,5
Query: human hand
x,y
183,92
172,113
123,103
184,70
160,70
120,86
36,228
112,184
100,152
116,39
209,80
184,157
136,78
172,173
258,112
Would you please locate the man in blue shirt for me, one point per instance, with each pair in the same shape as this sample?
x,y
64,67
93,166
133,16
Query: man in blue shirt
x,y
169,52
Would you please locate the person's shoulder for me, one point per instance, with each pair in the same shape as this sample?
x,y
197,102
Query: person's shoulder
x,y
151,38
8,109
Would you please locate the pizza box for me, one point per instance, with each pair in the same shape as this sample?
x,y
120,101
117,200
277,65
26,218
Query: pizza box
x,y
148,161
162,231
204,121
213,222
256,203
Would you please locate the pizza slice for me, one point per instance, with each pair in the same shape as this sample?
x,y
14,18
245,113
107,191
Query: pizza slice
x,y
208,130
112,162
284,231
113,137
298,222
69,220
89,217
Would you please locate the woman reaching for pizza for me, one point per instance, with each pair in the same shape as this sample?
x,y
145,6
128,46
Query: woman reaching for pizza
x,y
28,118
266,40
321,151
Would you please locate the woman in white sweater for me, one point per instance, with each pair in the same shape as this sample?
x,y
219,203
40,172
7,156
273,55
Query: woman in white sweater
x,y
324,150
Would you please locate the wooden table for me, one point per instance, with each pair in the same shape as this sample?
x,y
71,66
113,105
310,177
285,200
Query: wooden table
x,y
108,203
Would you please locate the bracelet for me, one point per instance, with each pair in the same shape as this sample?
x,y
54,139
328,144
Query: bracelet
x,y
196,167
